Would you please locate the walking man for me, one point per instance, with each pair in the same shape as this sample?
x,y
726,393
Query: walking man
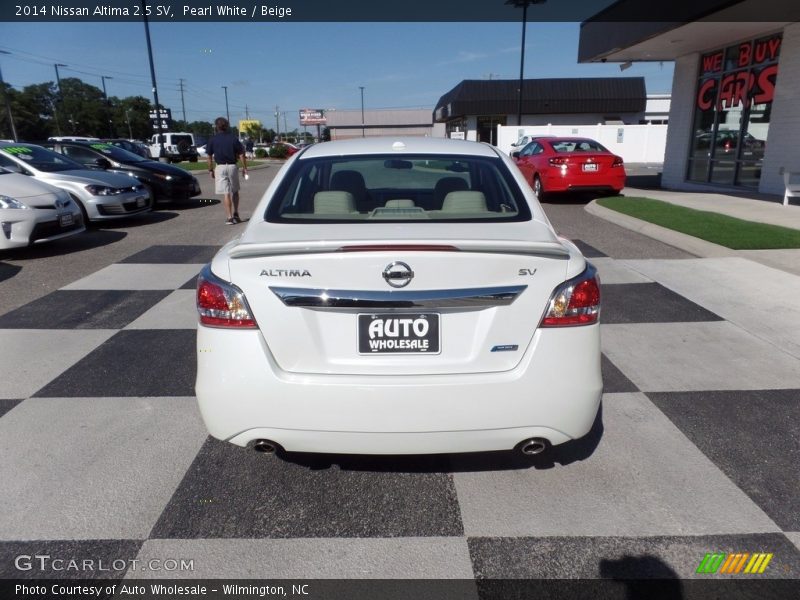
x,y
225,149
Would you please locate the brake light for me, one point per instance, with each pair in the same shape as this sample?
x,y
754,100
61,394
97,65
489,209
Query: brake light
x,y
617,162
222,304
398,248
575,302
558,161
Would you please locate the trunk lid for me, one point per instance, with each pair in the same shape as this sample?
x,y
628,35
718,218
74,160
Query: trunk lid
x,y
321,300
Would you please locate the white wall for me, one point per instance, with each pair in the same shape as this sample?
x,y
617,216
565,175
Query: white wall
x,y
637,143
681,117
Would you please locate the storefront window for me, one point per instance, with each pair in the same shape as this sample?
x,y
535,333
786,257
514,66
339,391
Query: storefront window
x,y
732,112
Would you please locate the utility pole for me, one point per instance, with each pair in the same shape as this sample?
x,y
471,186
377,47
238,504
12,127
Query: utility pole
x,y
58,97
227,112
277,123
246,113
7,103
108,106
183,106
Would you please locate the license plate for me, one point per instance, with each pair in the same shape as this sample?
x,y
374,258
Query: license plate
x,y
590,167
399,333
65,220
141,202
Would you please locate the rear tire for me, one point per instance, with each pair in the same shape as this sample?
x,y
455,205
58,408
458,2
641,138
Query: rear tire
x,y
538,188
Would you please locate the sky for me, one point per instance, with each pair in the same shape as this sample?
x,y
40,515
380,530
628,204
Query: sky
x,y
297,65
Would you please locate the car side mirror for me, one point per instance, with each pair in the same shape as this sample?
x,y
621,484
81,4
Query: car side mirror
x,y
102,163
515,155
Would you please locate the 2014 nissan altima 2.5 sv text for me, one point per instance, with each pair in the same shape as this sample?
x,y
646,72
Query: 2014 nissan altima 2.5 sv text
x,y
399,296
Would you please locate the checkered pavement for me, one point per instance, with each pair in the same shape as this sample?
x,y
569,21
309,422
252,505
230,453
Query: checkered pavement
x,y
103,454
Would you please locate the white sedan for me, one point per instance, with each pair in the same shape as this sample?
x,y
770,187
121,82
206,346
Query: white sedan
x,y
32,211
399,296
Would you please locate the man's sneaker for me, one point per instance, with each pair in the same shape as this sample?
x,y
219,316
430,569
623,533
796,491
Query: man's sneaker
x,y
236,218
230,221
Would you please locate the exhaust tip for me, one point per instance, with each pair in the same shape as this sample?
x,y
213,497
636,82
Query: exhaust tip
x,y
265,446
532,446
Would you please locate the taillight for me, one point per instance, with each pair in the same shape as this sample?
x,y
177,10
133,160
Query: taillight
x,y
558,161
222,304
575,302
617,162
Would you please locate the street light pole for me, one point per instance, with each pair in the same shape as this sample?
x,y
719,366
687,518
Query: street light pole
x,y
161,152
361,87
524,4
108,107
128,119
7,102
227,112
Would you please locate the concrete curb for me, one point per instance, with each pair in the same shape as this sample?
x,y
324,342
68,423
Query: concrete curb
x,y
679,240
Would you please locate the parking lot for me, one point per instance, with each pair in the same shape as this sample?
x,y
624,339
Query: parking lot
x,y
103,454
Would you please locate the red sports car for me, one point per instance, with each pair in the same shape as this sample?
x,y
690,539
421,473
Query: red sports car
x,y
563,164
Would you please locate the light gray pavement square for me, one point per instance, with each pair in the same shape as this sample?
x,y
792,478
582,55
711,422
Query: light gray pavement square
x,y
312,558
757,298
685,357
176,311
93,468
645,478
137,277
29,359
612,270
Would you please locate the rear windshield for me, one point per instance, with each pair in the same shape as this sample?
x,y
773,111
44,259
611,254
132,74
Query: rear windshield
x,y
116,153
577,146
39,158
392,188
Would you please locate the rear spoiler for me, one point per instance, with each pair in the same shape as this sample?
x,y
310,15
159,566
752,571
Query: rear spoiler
x,y
261,249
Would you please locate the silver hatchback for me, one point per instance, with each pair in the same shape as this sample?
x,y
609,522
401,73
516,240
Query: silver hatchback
x,y
100,195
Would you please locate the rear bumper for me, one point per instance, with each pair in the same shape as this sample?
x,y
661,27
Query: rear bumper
x,y
553,393
556,182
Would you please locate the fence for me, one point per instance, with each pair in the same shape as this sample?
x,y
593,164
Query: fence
x,y
634,143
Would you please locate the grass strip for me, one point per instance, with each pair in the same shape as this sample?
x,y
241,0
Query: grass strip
x,y
710,226
202,164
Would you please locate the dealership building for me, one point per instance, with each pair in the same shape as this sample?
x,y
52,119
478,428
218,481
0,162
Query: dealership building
x,y
734,118
475,107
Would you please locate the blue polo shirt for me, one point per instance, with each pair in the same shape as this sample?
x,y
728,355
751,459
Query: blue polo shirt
x,y
224,148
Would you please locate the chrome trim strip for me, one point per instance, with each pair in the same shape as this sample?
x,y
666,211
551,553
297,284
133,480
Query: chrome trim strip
x,y
428,299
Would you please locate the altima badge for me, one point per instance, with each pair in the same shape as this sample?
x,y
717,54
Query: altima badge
x,y
398,274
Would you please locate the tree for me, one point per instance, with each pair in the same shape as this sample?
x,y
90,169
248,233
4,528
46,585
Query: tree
x,y
34,111
84,108
131,117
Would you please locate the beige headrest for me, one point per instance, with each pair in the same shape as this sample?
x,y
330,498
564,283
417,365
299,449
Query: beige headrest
x,y
334,202
400,203
464,202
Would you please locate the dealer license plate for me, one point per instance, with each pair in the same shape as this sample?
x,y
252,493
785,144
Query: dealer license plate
x,y
590,167
65,220
399,333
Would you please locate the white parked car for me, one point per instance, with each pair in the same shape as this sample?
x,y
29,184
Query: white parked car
x,y
399,297
32,211
101,196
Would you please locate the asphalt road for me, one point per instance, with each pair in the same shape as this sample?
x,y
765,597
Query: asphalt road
x,y
103,453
